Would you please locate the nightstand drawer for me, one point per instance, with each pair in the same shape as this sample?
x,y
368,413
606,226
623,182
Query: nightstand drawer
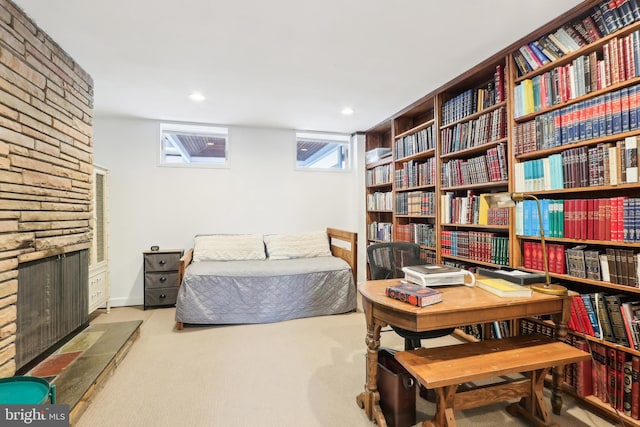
x,y
160,296
161,261
161,279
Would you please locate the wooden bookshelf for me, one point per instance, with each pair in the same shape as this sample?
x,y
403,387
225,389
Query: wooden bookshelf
x,y
446,112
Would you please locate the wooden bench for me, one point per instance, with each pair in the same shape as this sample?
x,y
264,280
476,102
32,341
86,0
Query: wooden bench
x,y
445,368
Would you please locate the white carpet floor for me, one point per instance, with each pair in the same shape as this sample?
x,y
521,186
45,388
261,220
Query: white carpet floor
x,y
299,373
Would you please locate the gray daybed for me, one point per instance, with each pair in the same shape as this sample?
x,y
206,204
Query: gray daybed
x,y
233,279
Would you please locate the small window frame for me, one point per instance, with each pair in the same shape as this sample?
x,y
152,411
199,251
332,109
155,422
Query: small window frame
x,y
195,130
341,139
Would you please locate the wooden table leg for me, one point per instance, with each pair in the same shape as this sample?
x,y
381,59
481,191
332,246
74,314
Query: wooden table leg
x,y
369,400
558,371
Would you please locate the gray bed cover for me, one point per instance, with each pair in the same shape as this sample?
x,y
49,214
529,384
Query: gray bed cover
x,y
231,292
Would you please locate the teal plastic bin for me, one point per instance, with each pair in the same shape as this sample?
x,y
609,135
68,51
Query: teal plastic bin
x,y
23,390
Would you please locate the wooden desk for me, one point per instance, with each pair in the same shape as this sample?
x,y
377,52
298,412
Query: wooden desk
x,y
461,305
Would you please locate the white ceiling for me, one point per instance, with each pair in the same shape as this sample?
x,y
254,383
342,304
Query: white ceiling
x,y
280,63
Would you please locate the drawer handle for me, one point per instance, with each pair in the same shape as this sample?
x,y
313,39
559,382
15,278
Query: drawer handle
x,y
162,262
163,279
162,296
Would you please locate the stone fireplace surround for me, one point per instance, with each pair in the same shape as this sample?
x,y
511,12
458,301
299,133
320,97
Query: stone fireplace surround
x,y
46,158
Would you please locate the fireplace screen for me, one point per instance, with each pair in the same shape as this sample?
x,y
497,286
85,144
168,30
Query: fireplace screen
x,y
52,302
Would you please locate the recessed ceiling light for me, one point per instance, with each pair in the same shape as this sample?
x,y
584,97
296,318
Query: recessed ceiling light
x,y
347,111
197,96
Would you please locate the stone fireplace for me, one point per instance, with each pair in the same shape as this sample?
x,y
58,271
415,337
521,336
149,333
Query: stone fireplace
x,y
46,158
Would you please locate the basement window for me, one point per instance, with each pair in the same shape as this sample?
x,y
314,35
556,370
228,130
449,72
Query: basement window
x,y
322,151
193,145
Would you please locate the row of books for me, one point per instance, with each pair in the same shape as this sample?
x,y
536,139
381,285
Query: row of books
x,y
419,203
422,234
415,143
379,175
491,167
585,74
382,231
611,317
475,100
380,201
488,127
586,166
416,173
604,115
614,219
494,330
476,245
606,18
612,375
471,209
613,265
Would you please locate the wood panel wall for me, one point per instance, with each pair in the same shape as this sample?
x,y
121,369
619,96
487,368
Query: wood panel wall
x,y
46,157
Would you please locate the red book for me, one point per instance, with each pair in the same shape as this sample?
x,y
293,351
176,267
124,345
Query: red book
x,y
602,223
562,265
612,376
607,220
590,220
573,323
420,296
527,258
620,359
620,221
584,324
614,219
601,378
539,263
583,372
568,219
583,224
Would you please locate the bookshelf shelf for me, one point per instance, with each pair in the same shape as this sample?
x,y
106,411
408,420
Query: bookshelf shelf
x,y
594,117
421,155
474,150
475,115
471,261
415,129
386,161
382,185
477,186
480,226
607,243
420,187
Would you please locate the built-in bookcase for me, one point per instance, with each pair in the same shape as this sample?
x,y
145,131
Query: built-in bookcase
x,y
415,177
473,158
556,115
379,187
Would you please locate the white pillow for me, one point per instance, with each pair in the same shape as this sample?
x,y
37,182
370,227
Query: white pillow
x,y
228,247
300,245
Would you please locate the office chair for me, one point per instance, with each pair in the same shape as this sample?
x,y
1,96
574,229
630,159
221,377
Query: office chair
x,y
385,262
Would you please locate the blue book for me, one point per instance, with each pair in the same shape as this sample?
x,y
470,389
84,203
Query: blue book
x,y
624,108
537,51
526,217
633,106
563,125
544,210
588,120
608,114
601,116
616,116
591,313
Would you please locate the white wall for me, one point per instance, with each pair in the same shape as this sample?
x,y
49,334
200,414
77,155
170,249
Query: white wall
x,y
260,193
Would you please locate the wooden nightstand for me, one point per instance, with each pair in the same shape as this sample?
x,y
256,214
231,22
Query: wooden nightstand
x,y
161,277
